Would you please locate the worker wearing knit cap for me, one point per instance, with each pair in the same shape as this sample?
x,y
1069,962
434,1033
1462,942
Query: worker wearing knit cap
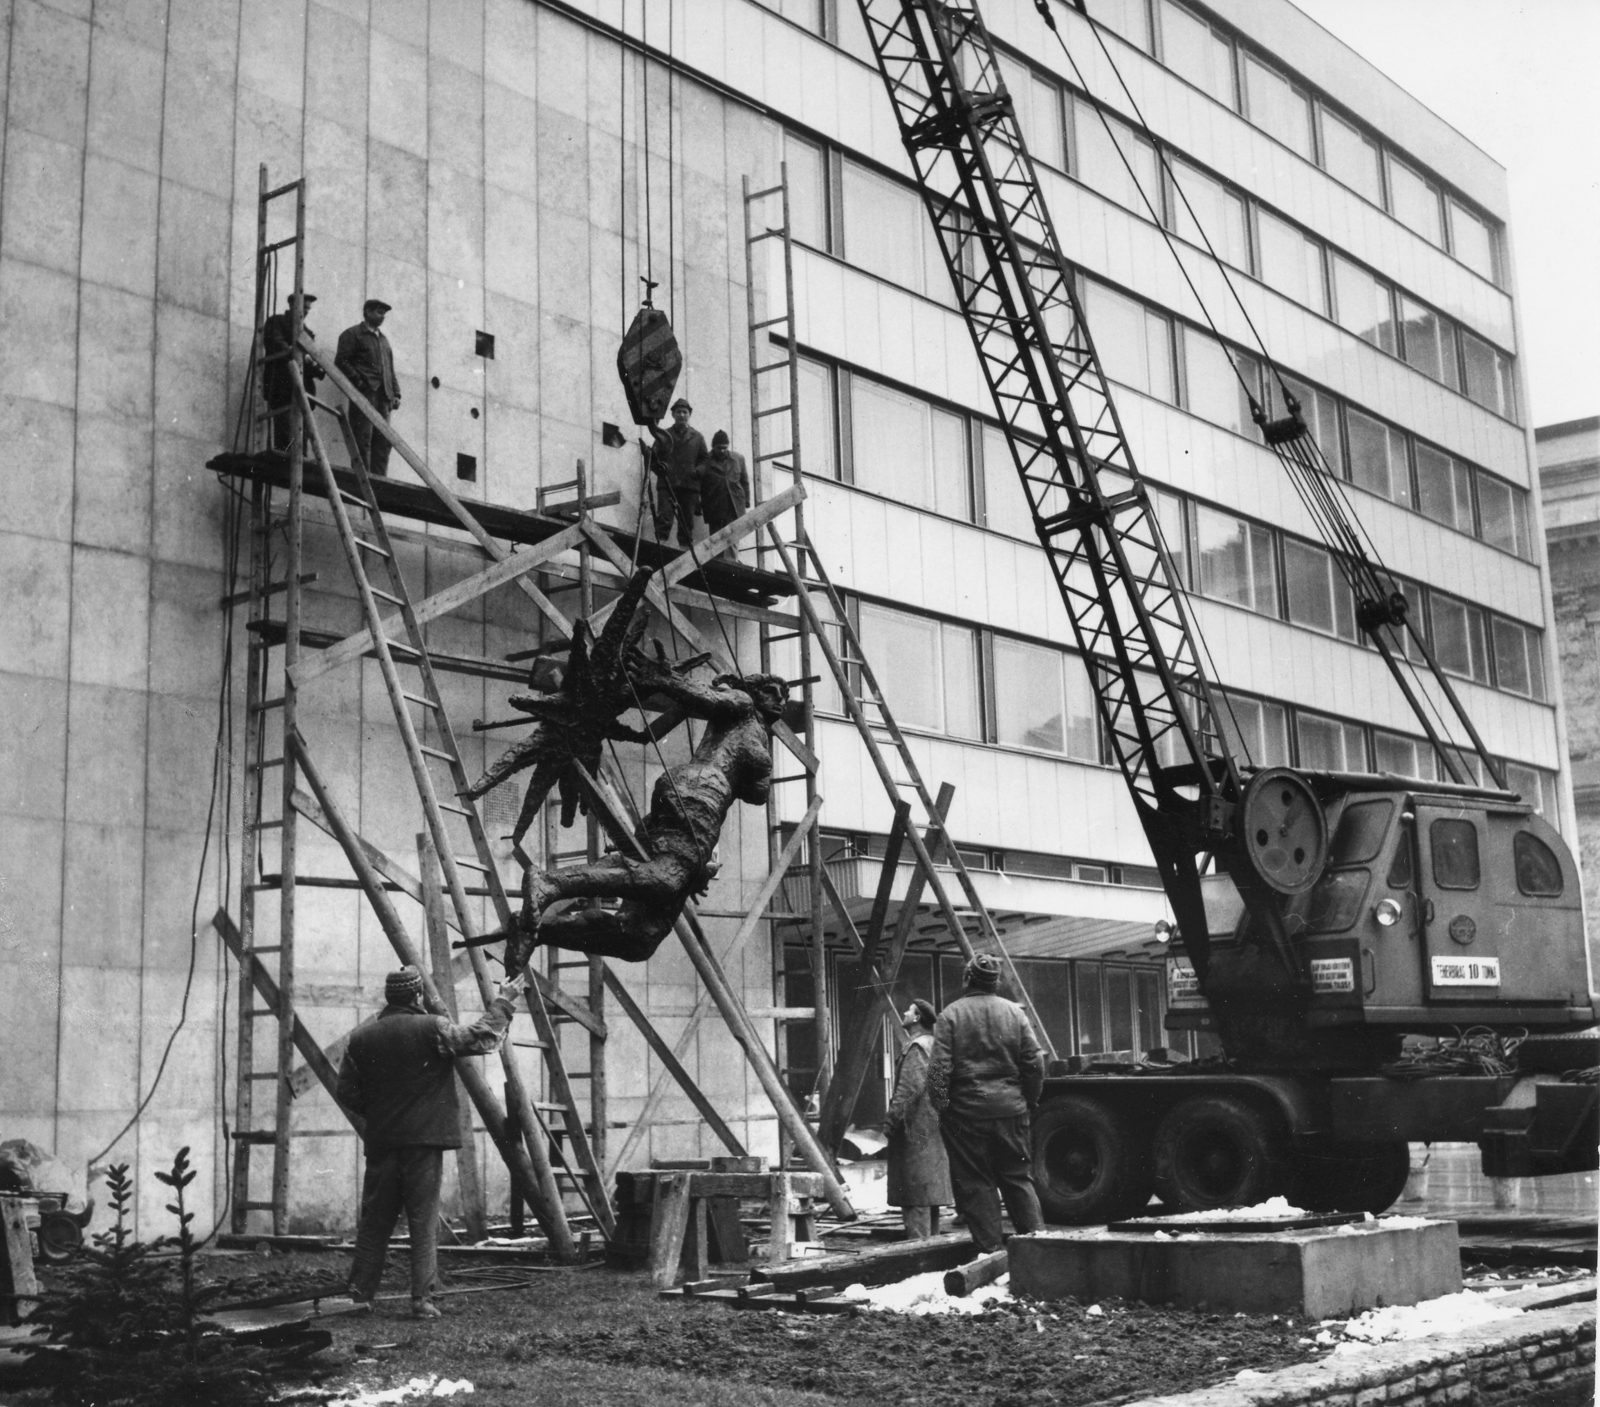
x,y
985,1078
398,1075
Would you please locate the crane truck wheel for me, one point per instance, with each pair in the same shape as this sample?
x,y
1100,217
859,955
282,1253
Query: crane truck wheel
x,y
1088,1165
1219,1151
1351,1177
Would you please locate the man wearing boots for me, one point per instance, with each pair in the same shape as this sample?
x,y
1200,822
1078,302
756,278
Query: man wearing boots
x,y
985,1078
398,1074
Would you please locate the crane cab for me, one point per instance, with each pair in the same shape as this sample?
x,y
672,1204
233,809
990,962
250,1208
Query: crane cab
x,y
1434,910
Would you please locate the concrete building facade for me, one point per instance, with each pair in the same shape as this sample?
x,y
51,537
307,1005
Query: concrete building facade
x,y
1569,473
514,167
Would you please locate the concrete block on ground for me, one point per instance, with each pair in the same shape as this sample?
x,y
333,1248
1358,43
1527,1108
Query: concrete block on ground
x,y
1318,1272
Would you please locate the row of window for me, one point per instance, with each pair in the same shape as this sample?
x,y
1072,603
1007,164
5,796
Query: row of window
x,y
1230,558
906,448
866,845
1208,57
1105,154
969,683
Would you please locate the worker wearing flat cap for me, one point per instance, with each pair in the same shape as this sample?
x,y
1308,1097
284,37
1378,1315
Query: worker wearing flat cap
x,y
365,356
398,1075
919,1172
679,455
277,386
985,1078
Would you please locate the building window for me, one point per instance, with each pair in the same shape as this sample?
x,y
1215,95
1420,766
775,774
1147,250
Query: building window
x,y
1503,513
1472,241
1330,745
1429,342
1459,641
1091,1018
1134,343
908,450
1444,489
1219,215
927,669
887,234
1235,561
1489,380
1276,106
1042,701
1255,728
1535,787
1290,262
1350,156
1037,103
819,437
1414,202
1318,595
1404,757
806,164
1378,457
1363,304
1101,160
1518,658
1005,503
1194,50
1168,508
1212,388
1129,18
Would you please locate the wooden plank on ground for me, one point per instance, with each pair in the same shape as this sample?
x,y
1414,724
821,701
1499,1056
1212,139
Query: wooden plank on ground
x,y
877,1265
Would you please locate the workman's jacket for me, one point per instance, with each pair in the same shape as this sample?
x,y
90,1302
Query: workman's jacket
x,y
398,1074
919,1171
364,355
986,1062
679,455
724,489
277,337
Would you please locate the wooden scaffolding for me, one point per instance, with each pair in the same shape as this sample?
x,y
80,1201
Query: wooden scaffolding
x,y
554,1147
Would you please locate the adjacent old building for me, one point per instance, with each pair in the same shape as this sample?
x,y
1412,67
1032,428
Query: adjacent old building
x,y
514,168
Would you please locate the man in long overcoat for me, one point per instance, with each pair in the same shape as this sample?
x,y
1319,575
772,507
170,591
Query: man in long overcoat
x,y
919,1173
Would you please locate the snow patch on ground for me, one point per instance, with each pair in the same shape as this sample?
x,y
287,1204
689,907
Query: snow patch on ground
x,y
1447,1314
431,1386
1273,1209
925,1294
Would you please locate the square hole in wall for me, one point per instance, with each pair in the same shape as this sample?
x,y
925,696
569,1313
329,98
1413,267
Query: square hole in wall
x,y
467,467
483,344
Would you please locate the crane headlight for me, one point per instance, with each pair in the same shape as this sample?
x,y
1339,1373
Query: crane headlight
x,y
1387,913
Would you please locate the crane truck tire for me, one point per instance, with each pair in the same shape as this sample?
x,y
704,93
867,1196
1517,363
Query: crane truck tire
x,y
1088,1164
1219,1151
1351,1177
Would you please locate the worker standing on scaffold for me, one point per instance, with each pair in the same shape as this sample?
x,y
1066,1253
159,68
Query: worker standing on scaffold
x,y
679,455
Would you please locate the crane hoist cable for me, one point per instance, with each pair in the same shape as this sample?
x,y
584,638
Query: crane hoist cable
x,y
1380,604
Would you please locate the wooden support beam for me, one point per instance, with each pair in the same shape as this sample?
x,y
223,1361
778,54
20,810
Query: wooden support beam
x,y
526,1159
859,1022
318,1062
874,1265
975,1274
441,603
473,1208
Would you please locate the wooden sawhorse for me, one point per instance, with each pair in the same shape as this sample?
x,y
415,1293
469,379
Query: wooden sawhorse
x,y
678,1230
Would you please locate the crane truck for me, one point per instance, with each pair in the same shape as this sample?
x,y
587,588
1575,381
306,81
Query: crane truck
x,y
1335,932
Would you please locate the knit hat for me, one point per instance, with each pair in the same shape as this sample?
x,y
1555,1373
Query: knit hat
x,y
403,987
983,973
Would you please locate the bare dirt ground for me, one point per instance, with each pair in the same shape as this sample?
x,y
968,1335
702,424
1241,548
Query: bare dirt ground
x,y
602,1336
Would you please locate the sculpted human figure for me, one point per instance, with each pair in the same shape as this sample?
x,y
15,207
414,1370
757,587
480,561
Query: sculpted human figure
x,y
575,722
688,805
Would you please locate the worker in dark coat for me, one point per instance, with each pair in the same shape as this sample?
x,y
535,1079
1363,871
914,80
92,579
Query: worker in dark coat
x,y
919,1173
277,338
398,1074
984,1078
678,456
365,356
724,486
